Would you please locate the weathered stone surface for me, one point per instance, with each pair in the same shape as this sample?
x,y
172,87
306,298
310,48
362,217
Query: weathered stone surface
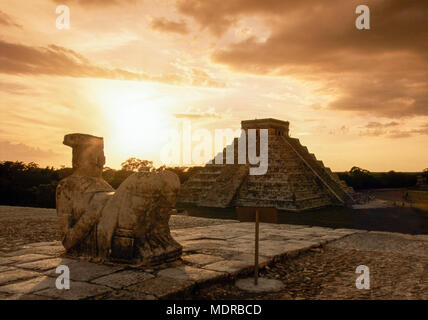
x,y
295,179
15,275
202,244
233,256
27,296
382,241
43,244
22,258
45,264
231,266
263,285
86,271
30,286
149,197
78,290
6,268
4,296
129,224
161,287
249,259
201,259
127,295
55,250
123,279
88,154
191,274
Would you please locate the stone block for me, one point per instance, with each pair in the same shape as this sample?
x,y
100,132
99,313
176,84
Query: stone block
x,y
201,259
30,286
87,271
123,279
53,250
162,287
15,275
232,267
78,290
191,274
11,259
45,264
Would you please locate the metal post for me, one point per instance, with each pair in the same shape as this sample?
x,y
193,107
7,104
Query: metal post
x,y
256,251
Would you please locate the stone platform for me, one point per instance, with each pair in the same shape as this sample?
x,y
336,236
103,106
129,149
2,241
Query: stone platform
x,y
210,254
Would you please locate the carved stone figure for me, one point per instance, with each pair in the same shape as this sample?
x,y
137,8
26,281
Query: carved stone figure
x,y
129,224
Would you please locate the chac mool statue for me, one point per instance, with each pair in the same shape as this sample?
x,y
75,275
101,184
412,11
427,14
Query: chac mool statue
x,y
129,224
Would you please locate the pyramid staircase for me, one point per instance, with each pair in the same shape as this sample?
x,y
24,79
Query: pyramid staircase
x,y
295,179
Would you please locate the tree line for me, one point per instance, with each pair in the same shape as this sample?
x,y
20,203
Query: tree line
x,y
27,184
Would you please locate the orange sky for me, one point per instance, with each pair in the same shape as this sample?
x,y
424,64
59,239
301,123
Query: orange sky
x,y
128,70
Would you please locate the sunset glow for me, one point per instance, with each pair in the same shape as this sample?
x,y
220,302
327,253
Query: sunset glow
x,y
130,70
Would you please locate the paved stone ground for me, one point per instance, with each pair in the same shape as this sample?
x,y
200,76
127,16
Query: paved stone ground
x,y
398,270
212,254
22,225
313,262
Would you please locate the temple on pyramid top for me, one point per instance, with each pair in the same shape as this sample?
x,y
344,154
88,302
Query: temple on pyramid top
x,y
275,127
295,179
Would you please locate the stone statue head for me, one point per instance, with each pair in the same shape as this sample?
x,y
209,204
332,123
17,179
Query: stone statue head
x,y
88,154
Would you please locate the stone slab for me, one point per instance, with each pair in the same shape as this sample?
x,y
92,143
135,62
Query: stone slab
x,y
29,286
123,279
263,285
43,244
200,259
45,264
87,271
6,268
11,259
191,274
213,252
161,287
78,290
55,250
231,267
15,275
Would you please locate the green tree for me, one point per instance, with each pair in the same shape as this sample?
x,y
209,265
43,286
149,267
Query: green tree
x,y
135,164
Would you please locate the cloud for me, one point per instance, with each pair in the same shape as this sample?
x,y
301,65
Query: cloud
x,y
53,60
22,152
95,3
15,88
7,21
217,15
382,71
390,130
197,114
377,125
165,25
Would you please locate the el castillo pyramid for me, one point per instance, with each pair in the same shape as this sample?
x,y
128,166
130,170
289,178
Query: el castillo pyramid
x,y
295,180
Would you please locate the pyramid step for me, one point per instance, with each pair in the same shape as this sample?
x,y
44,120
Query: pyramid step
x,y
204,180
212,174
198,186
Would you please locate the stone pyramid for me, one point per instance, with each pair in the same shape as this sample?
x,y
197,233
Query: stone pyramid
x,y
295,180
